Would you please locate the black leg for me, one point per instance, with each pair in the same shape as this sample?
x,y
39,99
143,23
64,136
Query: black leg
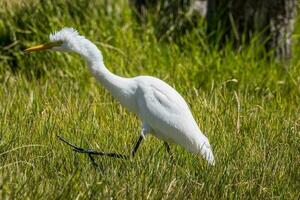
x,y
91,152
169,150
98,153
167,147
136,146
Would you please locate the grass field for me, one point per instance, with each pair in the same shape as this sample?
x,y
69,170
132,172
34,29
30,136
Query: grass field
x,y
248,106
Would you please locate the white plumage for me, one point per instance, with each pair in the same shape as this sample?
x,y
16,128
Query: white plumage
x,y
162,110
168,116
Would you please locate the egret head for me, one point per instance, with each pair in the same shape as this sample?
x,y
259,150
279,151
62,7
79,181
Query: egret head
x,y
67,39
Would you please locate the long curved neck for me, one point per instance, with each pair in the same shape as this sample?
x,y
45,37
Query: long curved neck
x,y
121,88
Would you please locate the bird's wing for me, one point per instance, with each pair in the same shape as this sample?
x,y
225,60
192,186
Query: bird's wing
x,y
160,103
163,95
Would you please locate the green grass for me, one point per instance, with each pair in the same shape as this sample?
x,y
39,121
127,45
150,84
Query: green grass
x,y
47,94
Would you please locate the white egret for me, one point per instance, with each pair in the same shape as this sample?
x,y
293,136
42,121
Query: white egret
x,y
161,109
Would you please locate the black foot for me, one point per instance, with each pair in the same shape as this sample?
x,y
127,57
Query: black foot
x,y
91,152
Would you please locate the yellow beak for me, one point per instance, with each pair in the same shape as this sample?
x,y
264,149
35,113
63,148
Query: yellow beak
x,y
43,47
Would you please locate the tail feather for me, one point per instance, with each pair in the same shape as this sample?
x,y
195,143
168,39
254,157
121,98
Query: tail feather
x,y
207,153
206,150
